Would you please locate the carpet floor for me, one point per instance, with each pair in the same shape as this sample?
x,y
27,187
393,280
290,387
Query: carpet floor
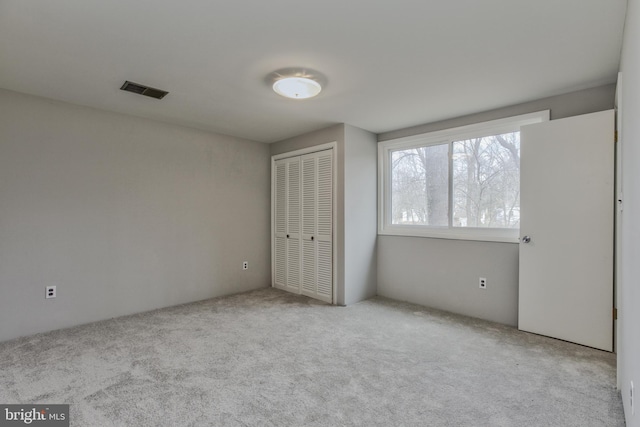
x,y
270,358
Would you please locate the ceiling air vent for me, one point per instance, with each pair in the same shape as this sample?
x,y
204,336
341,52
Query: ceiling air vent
x,y
143,90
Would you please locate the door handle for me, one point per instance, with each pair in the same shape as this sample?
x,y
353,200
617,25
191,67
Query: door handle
x,y
525,239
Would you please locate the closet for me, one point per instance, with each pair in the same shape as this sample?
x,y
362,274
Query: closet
x,y
303,224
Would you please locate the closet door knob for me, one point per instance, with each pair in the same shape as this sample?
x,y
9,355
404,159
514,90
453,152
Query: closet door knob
x,y
311,237
287,236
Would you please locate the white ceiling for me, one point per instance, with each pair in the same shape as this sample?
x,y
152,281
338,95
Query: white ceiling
x,y
389,64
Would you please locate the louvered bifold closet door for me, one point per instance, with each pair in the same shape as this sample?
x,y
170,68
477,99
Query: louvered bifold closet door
x,y
317,225
287,224
280,224
293,224
303,224
309,211
324,236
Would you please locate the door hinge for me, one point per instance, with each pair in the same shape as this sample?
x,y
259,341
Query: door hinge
x,y
615,136
615,313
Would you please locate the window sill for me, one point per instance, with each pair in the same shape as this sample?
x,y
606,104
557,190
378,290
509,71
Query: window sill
x,y
473,234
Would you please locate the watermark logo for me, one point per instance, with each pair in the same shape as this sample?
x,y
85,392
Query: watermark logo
x,y
34,415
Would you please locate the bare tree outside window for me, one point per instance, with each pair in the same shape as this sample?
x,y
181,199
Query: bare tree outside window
x,y
486,181
420,190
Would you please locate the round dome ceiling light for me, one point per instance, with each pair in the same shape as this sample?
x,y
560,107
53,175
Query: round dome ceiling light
x,y
296,83
297,87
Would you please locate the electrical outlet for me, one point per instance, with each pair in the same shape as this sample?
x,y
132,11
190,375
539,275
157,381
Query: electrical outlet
x,y
50,292
631,393
245,265
483,283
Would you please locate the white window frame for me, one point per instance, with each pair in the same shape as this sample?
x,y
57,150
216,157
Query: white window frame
x,y
493,127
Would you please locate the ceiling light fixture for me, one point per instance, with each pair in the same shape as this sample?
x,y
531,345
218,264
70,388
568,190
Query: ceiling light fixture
x,y
297,87
296,83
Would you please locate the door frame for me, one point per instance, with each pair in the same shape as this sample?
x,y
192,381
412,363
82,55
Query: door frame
x,y
618,218
334,241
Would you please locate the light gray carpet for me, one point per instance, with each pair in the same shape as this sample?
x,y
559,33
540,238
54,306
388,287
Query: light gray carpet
x,y
269,358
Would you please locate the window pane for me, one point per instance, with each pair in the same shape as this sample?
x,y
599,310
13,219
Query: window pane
x,y
486,181
419,185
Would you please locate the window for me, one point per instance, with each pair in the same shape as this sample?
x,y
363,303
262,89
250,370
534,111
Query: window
x,y
461,183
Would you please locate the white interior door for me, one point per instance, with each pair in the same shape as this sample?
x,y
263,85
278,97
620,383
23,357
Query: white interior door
x,y
567,205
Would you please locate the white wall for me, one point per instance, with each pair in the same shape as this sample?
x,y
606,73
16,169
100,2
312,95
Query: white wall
x,y
629,283
443,273
570,104
122,214
360,218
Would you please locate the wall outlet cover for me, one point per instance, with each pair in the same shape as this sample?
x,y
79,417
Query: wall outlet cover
x,y
50,292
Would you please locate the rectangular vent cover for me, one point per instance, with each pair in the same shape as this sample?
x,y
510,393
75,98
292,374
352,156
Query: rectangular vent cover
x,y
143,90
